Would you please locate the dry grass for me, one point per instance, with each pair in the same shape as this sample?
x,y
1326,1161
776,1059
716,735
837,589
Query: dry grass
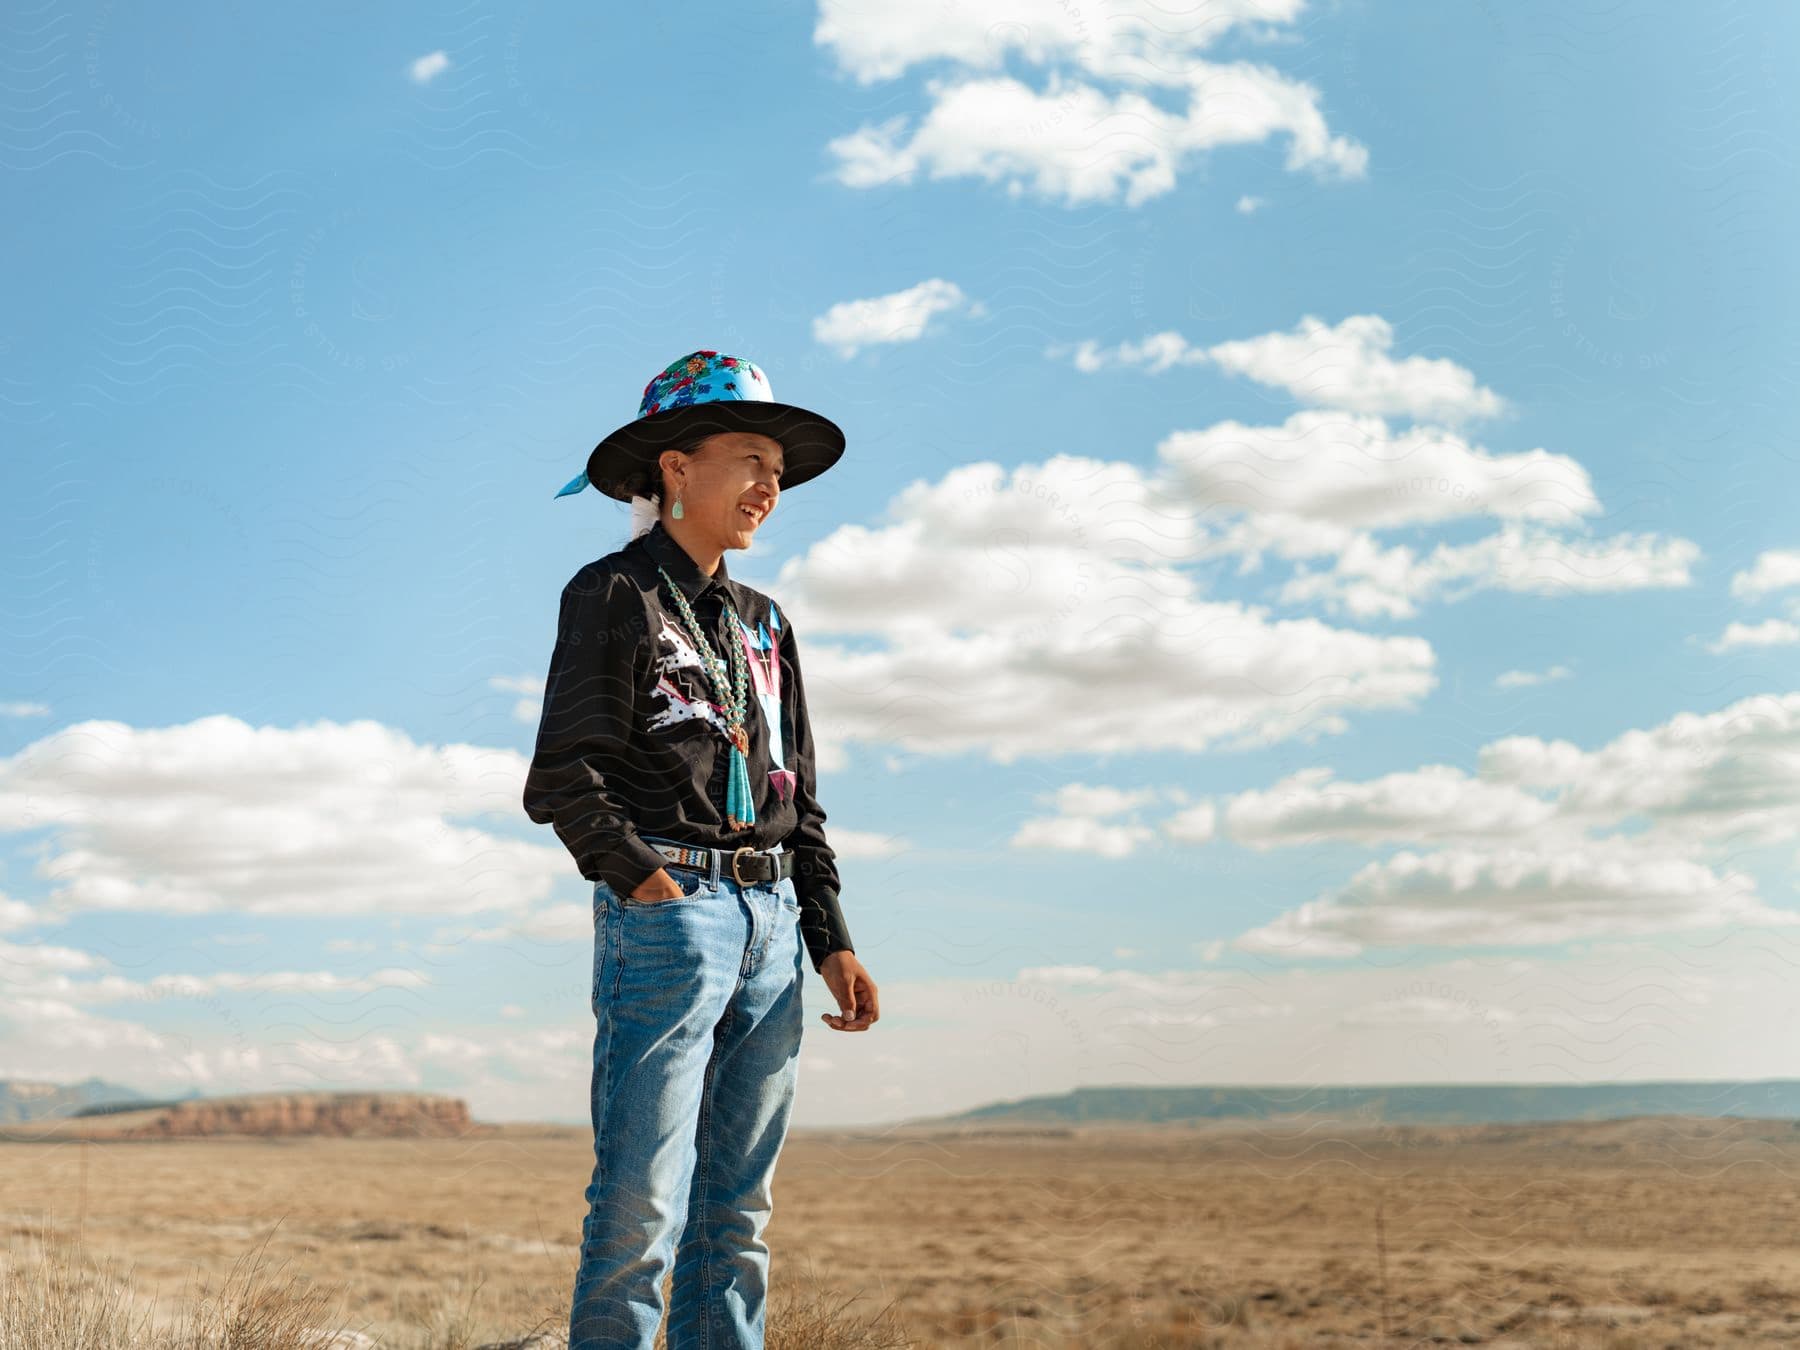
x,y
58,1296
1623,1235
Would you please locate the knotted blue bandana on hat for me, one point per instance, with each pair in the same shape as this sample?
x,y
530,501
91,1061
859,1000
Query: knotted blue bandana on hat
x,y
703,393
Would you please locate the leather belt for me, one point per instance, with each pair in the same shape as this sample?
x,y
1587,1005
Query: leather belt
x,y
748,866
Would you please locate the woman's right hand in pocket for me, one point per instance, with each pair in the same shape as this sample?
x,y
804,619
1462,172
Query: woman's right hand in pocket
x,y
660,885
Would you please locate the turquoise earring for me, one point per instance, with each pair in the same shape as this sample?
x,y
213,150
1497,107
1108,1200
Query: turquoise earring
x,y
676,509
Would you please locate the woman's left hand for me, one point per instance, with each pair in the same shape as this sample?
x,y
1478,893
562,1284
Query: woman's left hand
x,y
858,999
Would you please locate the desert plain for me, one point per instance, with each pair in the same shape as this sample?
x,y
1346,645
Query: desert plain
x,y
1649,1232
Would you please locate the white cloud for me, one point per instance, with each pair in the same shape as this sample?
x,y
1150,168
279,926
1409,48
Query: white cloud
x,y
17,914
1135,40
1768,633
1435,802
1083,824
1522,895
1345,471
1008,598
1425,1010
1080,834
1072,141
1099,799
1193,824
72,977
428,67
323,818
1078,145
31,967
849,843
1008,601
1248,205
529,708
1734,773
1367,580
373,1061
1350,366
1700,784
1774,570
1320,482
1155,354
23,709
1525,679
901,316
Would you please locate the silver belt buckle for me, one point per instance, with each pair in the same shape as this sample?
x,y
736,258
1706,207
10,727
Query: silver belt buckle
x,y
735,855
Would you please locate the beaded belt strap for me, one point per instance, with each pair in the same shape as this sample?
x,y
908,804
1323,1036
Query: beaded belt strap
x,y
684,856
745,864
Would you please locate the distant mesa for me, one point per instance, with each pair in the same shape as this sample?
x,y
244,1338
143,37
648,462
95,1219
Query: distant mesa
x,y
1388,1104
22,1101
262,1115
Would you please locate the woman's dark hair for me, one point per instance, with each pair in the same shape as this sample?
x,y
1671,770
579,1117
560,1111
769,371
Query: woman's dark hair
x,y
648,482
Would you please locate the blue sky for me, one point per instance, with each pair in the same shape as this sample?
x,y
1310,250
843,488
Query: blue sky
x,y
1311,596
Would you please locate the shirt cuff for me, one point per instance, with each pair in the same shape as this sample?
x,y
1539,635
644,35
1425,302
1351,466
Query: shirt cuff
x,y
629,866
822,925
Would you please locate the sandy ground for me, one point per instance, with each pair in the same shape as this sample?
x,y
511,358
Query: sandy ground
x,y
1658,1232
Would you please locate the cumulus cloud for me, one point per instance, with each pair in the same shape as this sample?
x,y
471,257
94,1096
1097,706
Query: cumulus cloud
x,y
1072,141
1321,483
1137,40
1619,838
1001,602
1434,802
1367,580
1324,482
50,1014
428,67
68,975
1693,778
901,316
1768,633
1521,895
530,707
1084,821
1077,146
1775,569
1349,366
1338,472
1352,366
1525,679
323,818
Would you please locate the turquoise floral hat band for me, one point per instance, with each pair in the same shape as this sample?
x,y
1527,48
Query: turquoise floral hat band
x,y
703,393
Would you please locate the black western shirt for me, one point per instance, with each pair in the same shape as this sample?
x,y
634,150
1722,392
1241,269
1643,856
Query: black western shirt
x,y
629,737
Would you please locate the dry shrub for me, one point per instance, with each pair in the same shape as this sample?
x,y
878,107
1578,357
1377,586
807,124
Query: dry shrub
x,y
813,1316
52,1299
56,1297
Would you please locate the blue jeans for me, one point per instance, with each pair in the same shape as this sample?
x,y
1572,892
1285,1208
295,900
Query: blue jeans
x,y
697,1005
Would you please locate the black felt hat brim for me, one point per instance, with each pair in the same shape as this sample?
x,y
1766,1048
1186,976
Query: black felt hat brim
x,y
810,444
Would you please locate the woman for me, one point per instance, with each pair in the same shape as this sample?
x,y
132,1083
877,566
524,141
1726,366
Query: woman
x,y
675,759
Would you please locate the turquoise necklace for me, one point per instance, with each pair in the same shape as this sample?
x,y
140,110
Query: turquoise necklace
x,y
733,691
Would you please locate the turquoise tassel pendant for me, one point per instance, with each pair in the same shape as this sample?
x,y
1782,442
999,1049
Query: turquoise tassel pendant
x,y
740,809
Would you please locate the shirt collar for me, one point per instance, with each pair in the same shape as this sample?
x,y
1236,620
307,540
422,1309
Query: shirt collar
x,y
675,559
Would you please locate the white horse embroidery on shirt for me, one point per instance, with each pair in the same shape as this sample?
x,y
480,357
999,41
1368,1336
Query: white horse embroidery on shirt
x,y
678,653
762,650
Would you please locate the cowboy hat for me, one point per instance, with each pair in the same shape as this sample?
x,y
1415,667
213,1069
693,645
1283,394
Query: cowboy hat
x,y
703,393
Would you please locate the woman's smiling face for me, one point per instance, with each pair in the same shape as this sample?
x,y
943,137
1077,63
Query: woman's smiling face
x,y
731,482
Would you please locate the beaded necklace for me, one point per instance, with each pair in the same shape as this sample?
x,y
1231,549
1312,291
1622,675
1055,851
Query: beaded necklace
x,y
733,692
